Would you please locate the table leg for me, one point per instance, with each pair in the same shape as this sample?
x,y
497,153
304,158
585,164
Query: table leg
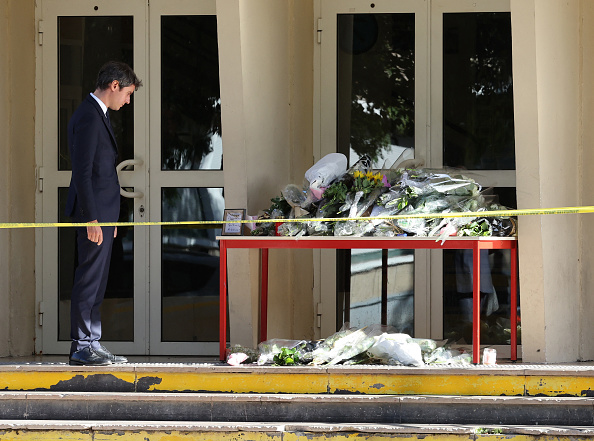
x,y
223,300
264,297
514,303
476,303
384,304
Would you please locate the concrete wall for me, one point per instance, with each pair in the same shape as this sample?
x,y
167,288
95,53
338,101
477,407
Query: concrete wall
x,y
267,85
553,107
586,348
4,180
300,26
547,37
17,176
558,86
267,120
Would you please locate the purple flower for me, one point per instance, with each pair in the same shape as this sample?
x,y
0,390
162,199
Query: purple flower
x,y
385,182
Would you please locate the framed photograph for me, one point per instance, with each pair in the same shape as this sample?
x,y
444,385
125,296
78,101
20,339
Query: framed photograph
x,y
233,229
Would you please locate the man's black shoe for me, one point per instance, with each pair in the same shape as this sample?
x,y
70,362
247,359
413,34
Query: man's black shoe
x,y
102,350
88,357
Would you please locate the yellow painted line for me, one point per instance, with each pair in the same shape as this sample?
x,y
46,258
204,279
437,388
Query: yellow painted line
x,y
427,384
552,385
341,436
175,435
186,436
31,380
268,382
219,223
515,437
374,384
299,381
142,435
336,383
45,435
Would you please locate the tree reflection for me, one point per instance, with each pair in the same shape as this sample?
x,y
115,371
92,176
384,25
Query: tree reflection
x,y
376,88
190,93
478,91
376,104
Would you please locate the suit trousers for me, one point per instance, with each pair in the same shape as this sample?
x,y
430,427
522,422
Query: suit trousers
x,y
90,282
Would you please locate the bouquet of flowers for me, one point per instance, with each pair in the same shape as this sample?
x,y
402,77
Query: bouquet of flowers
x,y
366,199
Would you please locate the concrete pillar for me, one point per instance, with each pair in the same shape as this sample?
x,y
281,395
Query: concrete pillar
x,y
242,279
547,111
17,181
266,95
4,181
587,185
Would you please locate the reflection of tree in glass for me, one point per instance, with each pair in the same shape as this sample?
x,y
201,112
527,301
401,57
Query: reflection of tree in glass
x,y
190,94
478,91
382,94
180,149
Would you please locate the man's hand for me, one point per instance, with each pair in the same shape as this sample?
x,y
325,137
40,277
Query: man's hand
x,y
115,232
94,233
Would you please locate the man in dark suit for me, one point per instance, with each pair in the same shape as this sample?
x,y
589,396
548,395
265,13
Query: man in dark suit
x,y
94,196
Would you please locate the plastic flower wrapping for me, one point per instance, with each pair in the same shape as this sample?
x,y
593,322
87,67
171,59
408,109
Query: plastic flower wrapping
x,y
374,344
365,198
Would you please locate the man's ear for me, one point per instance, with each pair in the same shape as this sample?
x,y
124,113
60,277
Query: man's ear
x,y
115,85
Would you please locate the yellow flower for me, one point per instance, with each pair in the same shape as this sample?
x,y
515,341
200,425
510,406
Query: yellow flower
x,y
378,177
358,174
369,175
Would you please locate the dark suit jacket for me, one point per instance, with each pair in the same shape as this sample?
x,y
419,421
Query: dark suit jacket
x,y
94,188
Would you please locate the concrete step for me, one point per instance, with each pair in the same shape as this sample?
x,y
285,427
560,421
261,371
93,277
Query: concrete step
x,y
305,408
508,379
187,431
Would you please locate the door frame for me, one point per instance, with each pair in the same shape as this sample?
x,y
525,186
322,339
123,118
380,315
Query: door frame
x,y
169,178
428,301
487,178
50,178
147,123
325,98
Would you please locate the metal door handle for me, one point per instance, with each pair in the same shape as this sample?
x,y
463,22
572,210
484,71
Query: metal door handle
x,y
119,168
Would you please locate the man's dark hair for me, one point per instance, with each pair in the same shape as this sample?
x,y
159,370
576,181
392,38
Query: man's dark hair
x,y
116,70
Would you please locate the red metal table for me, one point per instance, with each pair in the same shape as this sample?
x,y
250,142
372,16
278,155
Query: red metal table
x,y
476,244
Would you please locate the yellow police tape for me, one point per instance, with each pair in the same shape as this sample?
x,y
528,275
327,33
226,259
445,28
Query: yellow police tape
x,y
212,223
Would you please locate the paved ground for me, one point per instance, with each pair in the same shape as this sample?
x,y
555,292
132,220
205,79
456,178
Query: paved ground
x,y
214,361
53,359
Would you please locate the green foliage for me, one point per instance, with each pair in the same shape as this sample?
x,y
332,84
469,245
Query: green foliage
x,y
279,203
335,195
364,185
488,430
279,208
336,192
479,227
367,182
286,357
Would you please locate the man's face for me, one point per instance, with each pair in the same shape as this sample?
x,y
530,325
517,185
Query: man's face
x,y
119,97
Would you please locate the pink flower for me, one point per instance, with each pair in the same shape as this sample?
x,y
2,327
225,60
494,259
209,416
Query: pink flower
x,y
385,182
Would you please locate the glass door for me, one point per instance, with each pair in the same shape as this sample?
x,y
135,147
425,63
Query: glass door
x,y
77,39
429,80
162,295
472,119
373,95
186,177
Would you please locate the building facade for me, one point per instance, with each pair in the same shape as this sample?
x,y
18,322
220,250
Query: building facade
x,y
240,98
